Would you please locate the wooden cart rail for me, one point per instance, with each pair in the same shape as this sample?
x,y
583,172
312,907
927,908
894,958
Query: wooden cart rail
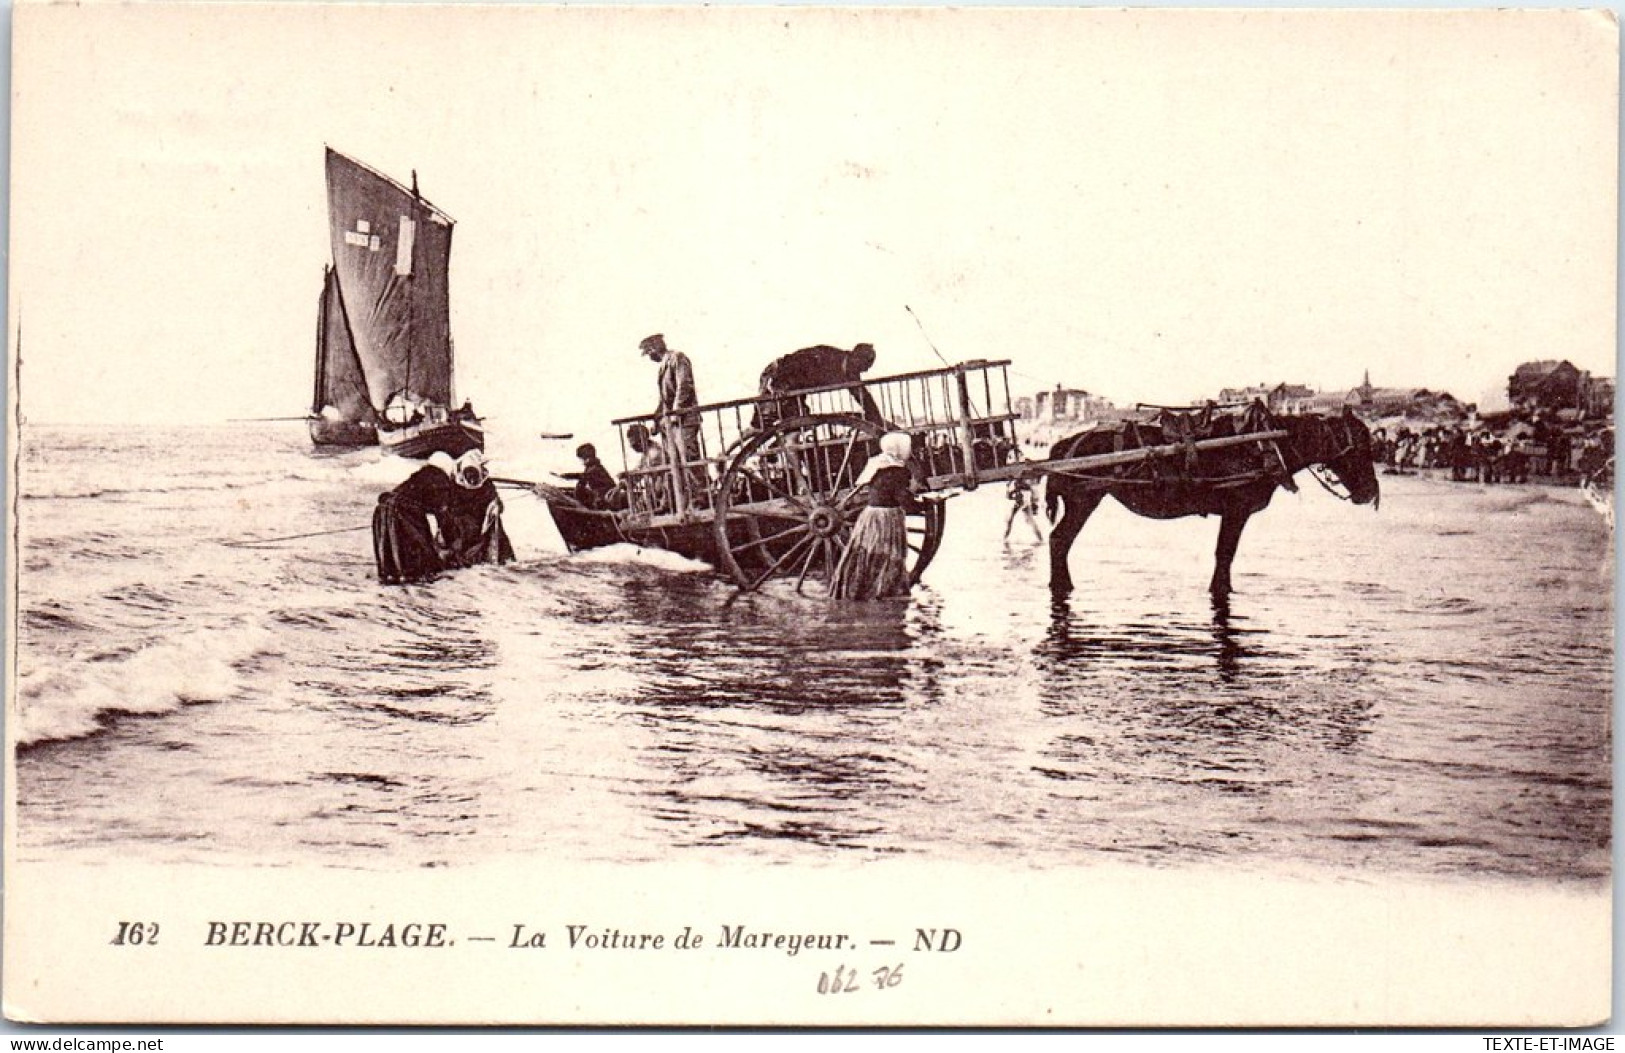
x,y
875,385
959,418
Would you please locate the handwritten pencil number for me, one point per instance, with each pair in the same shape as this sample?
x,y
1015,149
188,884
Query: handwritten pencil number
x,y
841,981
135,933
888,977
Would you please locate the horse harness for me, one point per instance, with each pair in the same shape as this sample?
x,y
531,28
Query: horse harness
x,y
1185,426
1342,428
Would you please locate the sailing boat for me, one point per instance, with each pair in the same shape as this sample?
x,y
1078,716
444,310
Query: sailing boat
x,y
341,413
383,348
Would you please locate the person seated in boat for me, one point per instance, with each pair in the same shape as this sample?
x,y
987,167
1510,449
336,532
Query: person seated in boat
x,y
814,367
646,482
403,410
446,515
593,482
649,478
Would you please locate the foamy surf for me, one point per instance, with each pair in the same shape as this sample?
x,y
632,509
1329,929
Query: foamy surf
x,y
69,700
643,557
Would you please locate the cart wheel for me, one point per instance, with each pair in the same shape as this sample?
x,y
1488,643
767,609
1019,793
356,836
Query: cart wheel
x,y
786,503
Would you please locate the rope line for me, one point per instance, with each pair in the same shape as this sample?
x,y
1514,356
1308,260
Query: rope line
x,y
253,542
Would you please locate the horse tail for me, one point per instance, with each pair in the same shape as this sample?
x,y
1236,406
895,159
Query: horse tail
x,y
1052,493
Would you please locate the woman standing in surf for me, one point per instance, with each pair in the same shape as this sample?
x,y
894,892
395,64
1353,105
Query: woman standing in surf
x,y
874,565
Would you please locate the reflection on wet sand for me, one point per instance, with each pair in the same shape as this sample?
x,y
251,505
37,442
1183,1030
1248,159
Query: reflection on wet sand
x,y
775,716
1216,704
1151,643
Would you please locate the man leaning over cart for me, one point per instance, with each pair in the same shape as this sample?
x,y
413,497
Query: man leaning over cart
x,y
814,367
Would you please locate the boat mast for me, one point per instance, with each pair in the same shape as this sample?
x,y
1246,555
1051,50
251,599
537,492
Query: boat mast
x,y
411,271
319,399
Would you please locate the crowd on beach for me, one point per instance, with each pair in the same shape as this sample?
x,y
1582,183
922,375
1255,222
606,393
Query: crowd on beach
x,y
1513,450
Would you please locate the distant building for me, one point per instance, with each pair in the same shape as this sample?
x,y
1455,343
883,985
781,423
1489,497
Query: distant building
x,y
1367,400
1597,398
1548,385
1048,415
1371,401
1281,398
1260,392
1557,386
1327,402
1063,404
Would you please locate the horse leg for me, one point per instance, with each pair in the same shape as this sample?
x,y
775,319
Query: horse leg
x,y
1077,506
1230,528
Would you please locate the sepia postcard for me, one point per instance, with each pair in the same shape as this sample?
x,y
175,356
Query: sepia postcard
x,y
810,516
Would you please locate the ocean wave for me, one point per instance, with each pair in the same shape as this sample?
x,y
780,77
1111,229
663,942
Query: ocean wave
x,y
114,480
69,490
71,700
643,557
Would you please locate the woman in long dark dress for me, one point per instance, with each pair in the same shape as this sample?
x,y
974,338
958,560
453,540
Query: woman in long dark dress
x,y
446,515
875,563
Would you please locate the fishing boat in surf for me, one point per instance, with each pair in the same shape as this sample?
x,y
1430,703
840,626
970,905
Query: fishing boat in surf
x,y
384,357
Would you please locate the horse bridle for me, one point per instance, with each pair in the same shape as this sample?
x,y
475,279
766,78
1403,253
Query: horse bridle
x,y
1343,431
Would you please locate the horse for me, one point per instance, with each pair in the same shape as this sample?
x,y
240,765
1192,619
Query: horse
x,y
1233,482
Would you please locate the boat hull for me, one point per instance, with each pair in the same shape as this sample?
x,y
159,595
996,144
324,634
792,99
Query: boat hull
x,y
346,434
583,528
419,441
586,528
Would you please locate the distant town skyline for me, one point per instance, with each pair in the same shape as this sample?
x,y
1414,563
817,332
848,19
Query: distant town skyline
x,y
1596,393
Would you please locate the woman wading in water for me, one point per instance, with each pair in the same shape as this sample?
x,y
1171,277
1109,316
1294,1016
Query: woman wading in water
x,y
874,565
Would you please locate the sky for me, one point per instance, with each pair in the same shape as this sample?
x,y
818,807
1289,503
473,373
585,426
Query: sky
x,y
1147,204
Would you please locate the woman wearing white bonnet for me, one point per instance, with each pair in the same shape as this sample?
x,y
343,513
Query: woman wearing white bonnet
x,y
470,471
875,565
446,515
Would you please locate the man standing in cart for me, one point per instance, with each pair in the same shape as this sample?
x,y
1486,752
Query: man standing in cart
x,y
815,367
679,430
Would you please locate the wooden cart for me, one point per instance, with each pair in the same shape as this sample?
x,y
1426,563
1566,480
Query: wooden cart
x,y
767,488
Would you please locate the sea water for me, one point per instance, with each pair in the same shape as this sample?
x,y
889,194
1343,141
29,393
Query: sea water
x,y
1424,689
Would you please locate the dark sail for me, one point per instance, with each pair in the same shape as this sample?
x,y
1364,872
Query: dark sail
x,y
341,391
391,251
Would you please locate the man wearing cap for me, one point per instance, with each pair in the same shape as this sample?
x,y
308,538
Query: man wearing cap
x,y
815,367
593,482
676,380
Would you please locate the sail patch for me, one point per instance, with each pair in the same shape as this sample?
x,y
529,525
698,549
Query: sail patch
x,y
362,237
403,247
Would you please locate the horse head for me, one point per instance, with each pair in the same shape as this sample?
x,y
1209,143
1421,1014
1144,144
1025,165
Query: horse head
x,y
1342,444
